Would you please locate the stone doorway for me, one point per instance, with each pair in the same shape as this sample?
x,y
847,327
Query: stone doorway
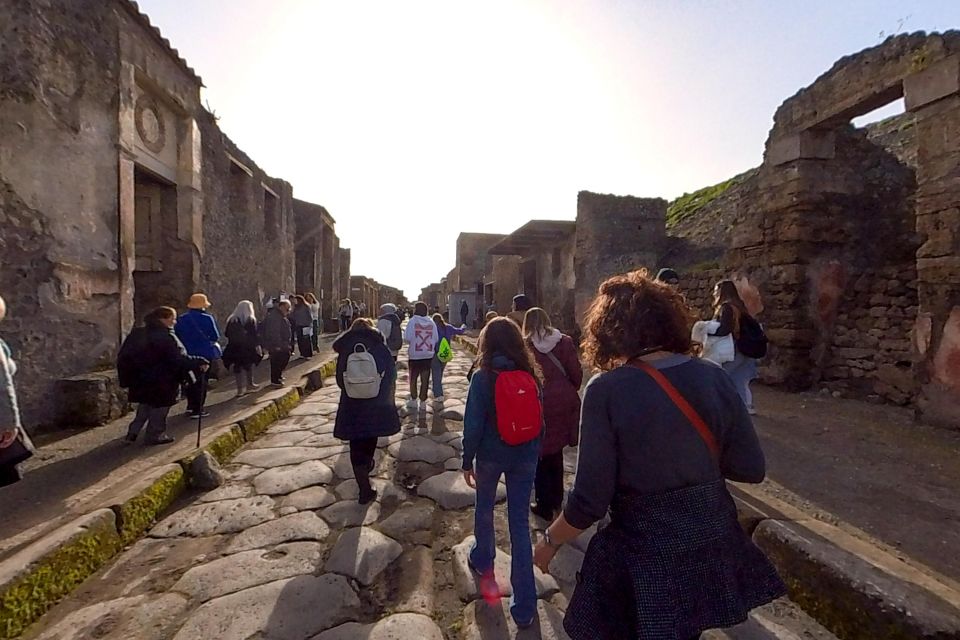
x,y
528,281
155,228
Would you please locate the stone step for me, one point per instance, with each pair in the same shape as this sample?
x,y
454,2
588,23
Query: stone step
x,y
780,620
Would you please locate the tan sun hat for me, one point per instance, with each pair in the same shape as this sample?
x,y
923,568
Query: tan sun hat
x,y
198,301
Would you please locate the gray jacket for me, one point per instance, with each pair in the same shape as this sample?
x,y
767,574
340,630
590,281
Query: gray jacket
x,y
277,332
9,411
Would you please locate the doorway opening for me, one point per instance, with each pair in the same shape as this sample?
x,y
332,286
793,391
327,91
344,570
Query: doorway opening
x,y
155,226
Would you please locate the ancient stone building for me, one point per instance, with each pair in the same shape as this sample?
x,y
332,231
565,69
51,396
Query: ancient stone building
x,y
119,192
313,242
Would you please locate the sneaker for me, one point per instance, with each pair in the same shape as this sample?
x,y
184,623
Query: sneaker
x,y
751,410
164,438
253,387
367,498
542,513
438,399
240,394
412,404
196,415
526,624
130,437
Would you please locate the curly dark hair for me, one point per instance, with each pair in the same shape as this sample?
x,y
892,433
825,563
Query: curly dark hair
x,y
633,313
502,337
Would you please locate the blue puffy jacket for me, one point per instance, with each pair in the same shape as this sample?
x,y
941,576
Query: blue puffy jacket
x,y
198,332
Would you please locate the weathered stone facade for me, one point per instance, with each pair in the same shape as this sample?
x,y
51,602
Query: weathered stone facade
x,y
118,192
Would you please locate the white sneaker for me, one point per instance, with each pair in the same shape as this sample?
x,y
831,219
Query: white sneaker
x,y
751,410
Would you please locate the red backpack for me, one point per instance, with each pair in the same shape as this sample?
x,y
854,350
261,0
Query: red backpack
x,y
517,402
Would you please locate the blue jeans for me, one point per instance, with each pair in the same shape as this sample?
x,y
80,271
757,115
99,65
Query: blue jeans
x,y
742,370
519,476
436,371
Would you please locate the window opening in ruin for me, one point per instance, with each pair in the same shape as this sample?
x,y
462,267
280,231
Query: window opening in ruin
x,y
528,280
889,110
271,221
240,189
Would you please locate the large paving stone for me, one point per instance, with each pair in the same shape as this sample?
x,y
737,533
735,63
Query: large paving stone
x,y
249,569
468,585
362,554
284,480
291,609
408,519
282,439
483,622
401,626
240,473
322,440
144,617
453,413
269,458
423,449
230,491
565,565
414,583
450,490
298,526
350,513
309,498
226,516
386,490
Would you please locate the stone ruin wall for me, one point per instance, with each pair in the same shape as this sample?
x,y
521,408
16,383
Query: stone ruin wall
x,y
556,279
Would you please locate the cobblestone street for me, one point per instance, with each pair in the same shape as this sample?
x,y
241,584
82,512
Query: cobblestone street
x,y
283,551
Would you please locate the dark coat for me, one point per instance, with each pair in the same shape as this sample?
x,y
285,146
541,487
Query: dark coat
x,y
243,343
276,331
163,364
375,417
301,316
561,396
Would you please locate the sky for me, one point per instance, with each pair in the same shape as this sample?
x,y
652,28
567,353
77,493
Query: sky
x,y
414,121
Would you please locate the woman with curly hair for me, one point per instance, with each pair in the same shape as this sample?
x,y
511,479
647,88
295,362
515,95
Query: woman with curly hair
x,y
660,433
501,351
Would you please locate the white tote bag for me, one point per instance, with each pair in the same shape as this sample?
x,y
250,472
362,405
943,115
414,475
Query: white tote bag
x,y
717,349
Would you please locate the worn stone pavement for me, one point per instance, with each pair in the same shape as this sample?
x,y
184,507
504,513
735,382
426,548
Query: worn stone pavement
x,y
283,551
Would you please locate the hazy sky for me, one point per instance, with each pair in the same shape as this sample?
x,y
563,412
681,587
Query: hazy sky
x,y
412,120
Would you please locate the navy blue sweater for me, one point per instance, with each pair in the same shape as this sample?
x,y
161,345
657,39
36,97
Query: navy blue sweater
x,y
633,438
481,439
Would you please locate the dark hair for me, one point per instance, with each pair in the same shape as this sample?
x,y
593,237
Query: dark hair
x,y
633,314
420,309
522,303
439,320
155,317
727,293
299,300
502,337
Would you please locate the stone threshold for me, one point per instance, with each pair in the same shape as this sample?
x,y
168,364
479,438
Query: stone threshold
x,y
37,576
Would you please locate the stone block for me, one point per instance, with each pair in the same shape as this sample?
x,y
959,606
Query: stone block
x,y
90,400
468,583
483,622
298,526
937,81
400,626
362,554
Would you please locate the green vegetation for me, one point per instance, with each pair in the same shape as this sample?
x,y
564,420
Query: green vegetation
x,y
137,514
689,203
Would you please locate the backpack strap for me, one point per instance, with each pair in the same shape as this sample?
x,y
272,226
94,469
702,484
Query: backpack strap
x,y
560,366
691,414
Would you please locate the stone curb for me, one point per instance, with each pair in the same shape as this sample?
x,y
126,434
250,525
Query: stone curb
x,y
470,344
855,589
36,578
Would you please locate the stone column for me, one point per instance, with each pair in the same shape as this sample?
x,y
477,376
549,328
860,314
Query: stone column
x,y
933,94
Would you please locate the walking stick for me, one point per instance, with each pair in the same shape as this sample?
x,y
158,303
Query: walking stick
x,y
200,413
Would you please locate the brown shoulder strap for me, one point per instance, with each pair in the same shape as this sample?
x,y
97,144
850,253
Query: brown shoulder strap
x,y
683,405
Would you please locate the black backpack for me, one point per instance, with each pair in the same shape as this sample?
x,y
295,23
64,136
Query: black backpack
x,y
395,339
130,357
752,341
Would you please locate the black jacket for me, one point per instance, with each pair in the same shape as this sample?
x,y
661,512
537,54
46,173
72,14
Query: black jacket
x,y
161,365
375,417
243,342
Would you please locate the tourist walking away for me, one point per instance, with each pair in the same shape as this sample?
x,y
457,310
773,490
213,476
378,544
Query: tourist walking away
x,y
749,340
673,562
152,364
367,377
362,308
443,354
557,357
275,339
243,350
389,325
502,429
198,332
346,314
421,334
464,312
668,276
302,321
15,444
314,305
521,304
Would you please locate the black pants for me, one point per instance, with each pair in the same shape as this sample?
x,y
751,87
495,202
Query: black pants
x,y
305,343
361,458
548,484
278,362
419,371
196,393
345,322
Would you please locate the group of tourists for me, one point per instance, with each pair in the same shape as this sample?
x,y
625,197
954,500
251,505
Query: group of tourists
x,y
171,354
350,310
660,430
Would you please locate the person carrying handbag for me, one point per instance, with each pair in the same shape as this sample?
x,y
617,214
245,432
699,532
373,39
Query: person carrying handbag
x,y
562,376
15,444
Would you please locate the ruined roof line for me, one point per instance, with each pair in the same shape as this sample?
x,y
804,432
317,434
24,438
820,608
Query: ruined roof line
x,y
133,9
